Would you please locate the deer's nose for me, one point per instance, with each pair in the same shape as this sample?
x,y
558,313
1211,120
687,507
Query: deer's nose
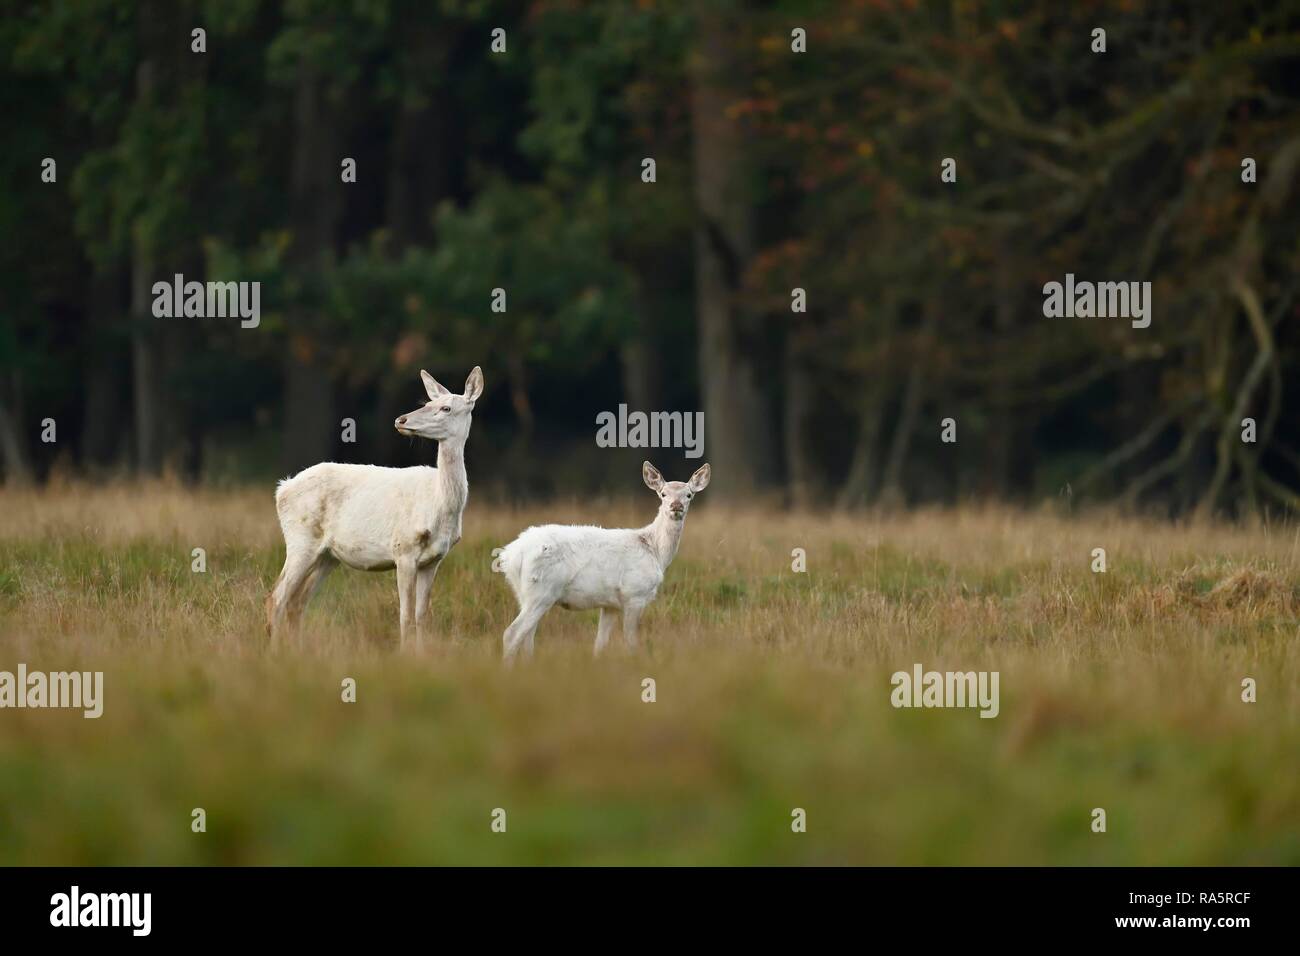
x,y
402,420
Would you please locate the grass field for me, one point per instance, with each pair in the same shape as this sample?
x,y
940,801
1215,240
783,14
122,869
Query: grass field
x,y
1119,690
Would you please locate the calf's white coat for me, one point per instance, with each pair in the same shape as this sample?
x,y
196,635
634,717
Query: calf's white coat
x,y
618,570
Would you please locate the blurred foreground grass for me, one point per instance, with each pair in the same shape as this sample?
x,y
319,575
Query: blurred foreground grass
x,y
1119,691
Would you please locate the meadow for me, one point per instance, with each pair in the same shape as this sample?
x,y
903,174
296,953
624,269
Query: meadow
x,y
1119,690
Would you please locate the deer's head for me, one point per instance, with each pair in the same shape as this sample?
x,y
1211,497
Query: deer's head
x,y
675,496
445,416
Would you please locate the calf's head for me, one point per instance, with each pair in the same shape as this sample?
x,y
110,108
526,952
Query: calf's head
x,y
675,496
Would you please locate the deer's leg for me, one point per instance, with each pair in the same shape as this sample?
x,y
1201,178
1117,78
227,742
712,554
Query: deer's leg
x,y
631,617
270,606
320,570
423,596
522,629
406,583
604,628
299,561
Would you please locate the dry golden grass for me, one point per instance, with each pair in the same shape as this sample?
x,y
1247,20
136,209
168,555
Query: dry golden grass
x,y
1119,691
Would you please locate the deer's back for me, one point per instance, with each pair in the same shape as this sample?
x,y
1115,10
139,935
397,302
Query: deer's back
x,y
359,512
583,566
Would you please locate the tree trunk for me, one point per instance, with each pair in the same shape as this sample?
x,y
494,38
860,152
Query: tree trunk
x,y
310,421
740,440
640,371
798,407
860,483
420,162
517,376
419,175
145,360
892,493
13,445
641,356
177,341
309,409
1001,443
102,415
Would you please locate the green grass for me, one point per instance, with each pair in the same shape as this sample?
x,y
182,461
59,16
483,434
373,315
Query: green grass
x,y
1119,691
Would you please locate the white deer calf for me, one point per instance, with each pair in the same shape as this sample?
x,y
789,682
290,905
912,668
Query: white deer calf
x,y
581,566
378,519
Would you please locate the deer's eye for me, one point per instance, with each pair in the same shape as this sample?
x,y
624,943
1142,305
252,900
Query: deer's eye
x,y
445,408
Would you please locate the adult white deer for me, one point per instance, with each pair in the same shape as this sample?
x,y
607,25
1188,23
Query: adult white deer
x,y
376,519
581,566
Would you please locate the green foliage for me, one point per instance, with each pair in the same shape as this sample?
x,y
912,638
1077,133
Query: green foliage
x,y
521,171
567,299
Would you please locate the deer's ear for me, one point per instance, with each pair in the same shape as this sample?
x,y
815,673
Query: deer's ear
x,y
474,385
431,386
700,480
650,475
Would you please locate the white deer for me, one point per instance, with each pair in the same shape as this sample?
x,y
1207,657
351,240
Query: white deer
x,y
376,519
582,566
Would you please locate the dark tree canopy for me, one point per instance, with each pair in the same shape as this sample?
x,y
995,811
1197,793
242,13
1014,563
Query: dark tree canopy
x,y
841,259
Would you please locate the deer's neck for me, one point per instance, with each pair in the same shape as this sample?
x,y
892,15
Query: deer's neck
x,y
452,482
663,536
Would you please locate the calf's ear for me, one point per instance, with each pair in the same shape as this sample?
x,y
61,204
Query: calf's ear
x,y
700,480
650,475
